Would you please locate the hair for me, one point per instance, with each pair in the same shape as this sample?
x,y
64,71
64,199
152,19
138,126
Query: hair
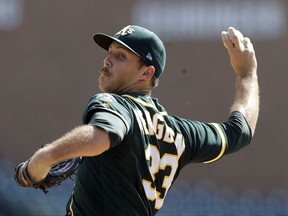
x,y
154,80
141,63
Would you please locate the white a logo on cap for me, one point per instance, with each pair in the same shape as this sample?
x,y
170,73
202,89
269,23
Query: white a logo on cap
x,y
127,30
149,56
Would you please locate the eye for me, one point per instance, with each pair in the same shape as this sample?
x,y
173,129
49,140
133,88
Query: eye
x,y
121,56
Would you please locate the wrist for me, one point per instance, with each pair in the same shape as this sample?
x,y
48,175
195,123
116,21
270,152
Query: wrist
x,y
37,168
249,77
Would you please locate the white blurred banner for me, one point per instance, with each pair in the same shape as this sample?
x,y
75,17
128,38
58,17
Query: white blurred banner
x,y
11,13
203,20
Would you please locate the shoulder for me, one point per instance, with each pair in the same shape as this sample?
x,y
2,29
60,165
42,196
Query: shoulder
x,y
105,99
105,102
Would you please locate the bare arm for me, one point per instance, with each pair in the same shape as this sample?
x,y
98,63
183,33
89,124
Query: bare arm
x,y
244,63
84,140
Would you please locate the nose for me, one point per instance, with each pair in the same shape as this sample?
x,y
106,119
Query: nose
x,y
107,61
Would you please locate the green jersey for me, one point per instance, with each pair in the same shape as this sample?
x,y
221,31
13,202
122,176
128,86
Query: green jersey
x,y
148,149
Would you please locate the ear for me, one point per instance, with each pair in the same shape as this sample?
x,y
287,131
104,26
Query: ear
x,y
148,73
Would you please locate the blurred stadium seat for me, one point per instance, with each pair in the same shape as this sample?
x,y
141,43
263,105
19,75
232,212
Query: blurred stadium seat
x,y
184,199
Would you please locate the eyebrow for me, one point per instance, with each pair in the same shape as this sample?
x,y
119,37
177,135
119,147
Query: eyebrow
x,y
118,46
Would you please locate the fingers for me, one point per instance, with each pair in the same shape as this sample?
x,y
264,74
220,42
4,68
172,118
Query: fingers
x,y
240,50
247,44
233,38
227,41
236,36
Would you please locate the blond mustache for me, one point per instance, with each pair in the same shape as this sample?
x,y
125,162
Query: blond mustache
x,y
105,70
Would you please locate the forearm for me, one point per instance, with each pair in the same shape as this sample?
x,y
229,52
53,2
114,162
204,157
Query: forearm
x,y
247,98
85,140
244,62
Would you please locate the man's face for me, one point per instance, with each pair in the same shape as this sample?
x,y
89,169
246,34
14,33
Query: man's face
x,y
121,70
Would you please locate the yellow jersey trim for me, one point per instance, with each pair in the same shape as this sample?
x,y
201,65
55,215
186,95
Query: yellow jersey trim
x,y
223,140
71,203
146,104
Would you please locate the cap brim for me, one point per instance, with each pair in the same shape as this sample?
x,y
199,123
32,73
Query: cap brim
x,y
104,41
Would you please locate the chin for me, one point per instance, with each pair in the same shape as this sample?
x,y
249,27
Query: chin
x,y
104,90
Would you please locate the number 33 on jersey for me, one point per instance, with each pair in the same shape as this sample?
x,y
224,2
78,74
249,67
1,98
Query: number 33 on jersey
x,y
165,165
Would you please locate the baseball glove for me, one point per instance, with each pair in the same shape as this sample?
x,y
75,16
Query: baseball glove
x,y
57,174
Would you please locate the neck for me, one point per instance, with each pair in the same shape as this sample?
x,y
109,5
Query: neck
x,y
141,91
141,87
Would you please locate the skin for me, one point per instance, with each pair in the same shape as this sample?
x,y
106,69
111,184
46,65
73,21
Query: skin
x,y
120,74
117,77
244,63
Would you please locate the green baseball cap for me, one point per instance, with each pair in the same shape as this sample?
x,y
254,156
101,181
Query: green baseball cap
x,y
143,42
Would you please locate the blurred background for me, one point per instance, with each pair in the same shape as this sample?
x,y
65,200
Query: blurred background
x,y
49,69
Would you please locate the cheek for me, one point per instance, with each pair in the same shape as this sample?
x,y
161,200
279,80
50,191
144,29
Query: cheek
x,y
124,74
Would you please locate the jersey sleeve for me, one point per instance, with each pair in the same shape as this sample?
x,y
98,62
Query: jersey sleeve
x,y
107,112
237,131
208,142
